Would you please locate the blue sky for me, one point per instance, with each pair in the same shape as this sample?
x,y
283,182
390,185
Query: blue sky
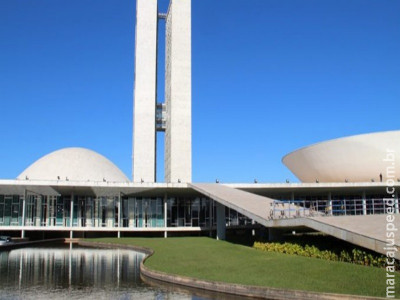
x,y
268,77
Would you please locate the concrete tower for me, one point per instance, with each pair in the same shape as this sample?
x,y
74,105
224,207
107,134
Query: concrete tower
x,y
178,93
174,115
144,141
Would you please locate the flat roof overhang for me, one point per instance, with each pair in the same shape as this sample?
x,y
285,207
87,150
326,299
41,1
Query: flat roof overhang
x,y
99,189
90,188
313,188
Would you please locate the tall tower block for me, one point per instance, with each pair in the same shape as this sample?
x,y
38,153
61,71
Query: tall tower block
x,y
178,93
144,128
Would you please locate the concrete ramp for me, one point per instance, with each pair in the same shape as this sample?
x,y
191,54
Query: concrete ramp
x,y
366,231
253,206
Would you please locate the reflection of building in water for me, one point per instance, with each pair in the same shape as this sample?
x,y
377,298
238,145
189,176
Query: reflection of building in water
x,y
71,267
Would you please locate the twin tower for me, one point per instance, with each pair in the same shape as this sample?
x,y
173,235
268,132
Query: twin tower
x,y
174,115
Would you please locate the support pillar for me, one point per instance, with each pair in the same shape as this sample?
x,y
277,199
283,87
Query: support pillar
x,y
221,223
71,217
330,207
48,203
110,212
119,210
131,212
165,215
23,213
89,212
364,203
396,202
38,210
119,214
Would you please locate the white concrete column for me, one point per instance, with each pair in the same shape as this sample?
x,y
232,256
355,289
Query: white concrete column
x,y
330,207
131,212
71,217
119,215
23,213
165,215
119,210
110,212
221,223
364,203
38,210
88,213
396,202
294,204
48,203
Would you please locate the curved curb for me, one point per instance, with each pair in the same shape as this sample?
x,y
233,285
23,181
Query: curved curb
x,y
222,287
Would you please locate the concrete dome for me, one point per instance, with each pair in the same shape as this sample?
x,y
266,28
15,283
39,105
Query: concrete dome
x,y
358,158
76,164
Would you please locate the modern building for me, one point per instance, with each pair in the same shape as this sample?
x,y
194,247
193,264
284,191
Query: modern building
x,y
347,185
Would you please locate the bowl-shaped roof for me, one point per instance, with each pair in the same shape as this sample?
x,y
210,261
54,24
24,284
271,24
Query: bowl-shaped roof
x,y
75,164
359,158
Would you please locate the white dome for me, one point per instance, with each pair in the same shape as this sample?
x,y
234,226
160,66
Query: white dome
x,y
75,164
358,158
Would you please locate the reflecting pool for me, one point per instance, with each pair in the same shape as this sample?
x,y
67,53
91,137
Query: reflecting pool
x,y
71,272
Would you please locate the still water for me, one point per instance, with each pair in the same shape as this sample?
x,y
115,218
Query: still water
x,y
71,272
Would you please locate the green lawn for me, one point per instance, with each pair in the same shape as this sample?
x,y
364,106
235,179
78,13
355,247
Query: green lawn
x,y
209,259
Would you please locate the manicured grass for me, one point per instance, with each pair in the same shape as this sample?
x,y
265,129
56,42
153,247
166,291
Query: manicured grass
x,y
209,259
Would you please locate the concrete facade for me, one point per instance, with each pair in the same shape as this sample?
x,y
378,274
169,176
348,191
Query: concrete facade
x,y
178,87
144,126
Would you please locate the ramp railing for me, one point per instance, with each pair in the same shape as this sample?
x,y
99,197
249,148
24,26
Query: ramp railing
x,y
280,209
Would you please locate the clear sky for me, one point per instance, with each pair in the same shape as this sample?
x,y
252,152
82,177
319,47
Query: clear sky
x,y
269,76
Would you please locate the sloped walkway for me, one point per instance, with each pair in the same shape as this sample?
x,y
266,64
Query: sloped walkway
x,y
253,206
367,231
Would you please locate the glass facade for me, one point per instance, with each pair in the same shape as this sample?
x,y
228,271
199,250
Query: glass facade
x,y
187,212
113,212
157,212
10,210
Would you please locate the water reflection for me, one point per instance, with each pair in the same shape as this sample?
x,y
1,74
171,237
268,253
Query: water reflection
x,y
75,273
